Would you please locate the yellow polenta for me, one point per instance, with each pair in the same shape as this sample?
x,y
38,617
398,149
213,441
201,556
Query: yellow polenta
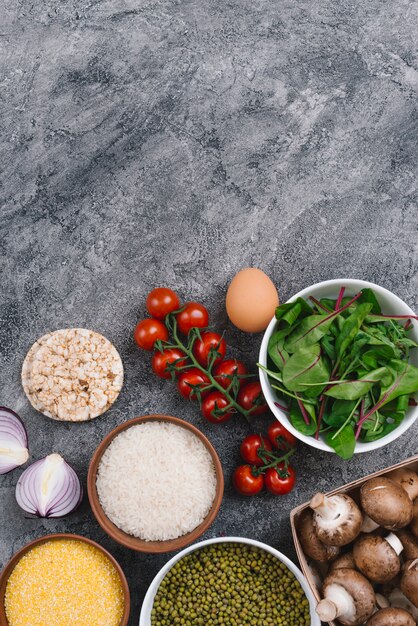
x,y
64,582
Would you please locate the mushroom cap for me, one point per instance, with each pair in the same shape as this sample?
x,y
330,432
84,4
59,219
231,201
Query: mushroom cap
x,y
414,523
310,542
409,581
358,587
375,558
391,617
409,542
345,561
407,479
386,502
337,518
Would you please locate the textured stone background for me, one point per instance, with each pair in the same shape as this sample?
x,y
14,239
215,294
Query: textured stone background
x,y
157,142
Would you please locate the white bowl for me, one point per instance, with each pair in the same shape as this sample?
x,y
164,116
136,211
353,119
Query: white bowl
x,y
145,617
390,304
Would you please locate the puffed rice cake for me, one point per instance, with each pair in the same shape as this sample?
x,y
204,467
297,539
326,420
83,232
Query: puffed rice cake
x,y
72,374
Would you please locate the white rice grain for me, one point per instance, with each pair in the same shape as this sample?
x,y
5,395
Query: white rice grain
x,y
156,481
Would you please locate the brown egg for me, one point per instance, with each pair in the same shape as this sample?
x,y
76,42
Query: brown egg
x,y
251,300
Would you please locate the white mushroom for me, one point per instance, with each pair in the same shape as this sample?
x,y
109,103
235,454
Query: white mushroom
x,y
348,597
398,599
386,503
409,542
378,557
407,479
310,542
409,581
337,518
414,523
391,617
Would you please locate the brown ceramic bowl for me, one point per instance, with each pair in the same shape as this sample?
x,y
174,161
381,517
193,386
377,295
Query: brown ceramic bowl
x,y
134,543
4,577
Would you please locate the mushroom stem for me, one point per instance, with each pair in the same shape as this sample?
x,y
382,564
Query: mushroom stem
x,y
381,601
338,602
396,543
326,507
368,525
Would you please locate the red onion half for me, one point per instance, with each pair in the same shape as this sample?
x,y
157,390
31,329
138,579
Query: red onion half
x,y
49,488
13,441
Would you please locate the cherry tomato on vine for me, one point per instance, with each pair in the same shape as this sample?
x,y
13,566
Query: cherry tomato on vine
x,y
194,315
148,331
160,360
245,482
203,348
162,301
189,379
280,482
213,404
251,445
280,437
224,372
251,397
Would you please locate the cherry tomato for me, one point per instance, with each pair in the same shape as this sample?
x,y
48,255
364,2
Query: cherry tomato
x,y
148,331
162,301
225,370
203,348
214,402
194,315
189,379
160,360
280,482
280,436
251,445
245,482
251,397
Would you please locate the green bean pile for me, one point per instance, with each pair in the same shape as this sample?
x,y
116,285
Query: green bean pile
x,y
230,584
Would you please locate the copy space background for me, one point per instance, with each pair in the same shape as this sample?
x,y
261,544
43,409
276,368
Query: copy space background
x,y
162,142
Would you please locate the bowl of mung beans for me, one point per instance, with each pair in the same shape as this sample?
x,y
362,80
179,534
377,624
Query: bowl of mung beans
x,y
229,581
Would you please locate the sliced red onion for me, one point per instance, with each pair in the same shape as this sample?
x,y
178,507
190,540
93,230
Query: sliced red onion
x,y
13,441
49,488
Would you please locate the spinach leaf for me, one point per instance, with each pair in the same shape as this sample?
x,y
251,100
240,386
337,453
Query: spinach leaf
x,y
355,389
344,443
309,332
296,419
405,381
328,303
305,366
373,435
339,412
289,312
351,327
276,350
327,345
367,295
374,357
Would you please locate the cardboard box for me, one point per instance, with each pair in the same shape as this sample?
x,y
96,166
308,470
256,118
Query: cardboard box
x,y
352,489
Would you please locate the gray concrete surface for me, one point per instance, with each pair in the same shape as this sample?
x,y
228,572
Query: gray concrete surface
x,y
150,143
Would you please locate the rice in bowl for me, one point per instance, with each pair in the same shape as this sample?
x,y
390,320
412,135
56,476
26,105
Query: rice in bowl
x,y
156,481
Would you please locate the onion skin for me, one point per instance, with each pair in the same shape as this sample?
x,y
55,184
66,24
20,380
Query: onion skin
x,y
13,441
49,488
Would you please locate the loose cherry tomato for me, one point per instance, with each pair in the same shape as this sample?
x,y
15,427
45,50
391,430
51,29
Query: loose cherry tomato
x,y
148,331
194,315
189,379
212,405
251,445
245,482
280,481
160,360
162,301
204,348
251,397
280,436
226,369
